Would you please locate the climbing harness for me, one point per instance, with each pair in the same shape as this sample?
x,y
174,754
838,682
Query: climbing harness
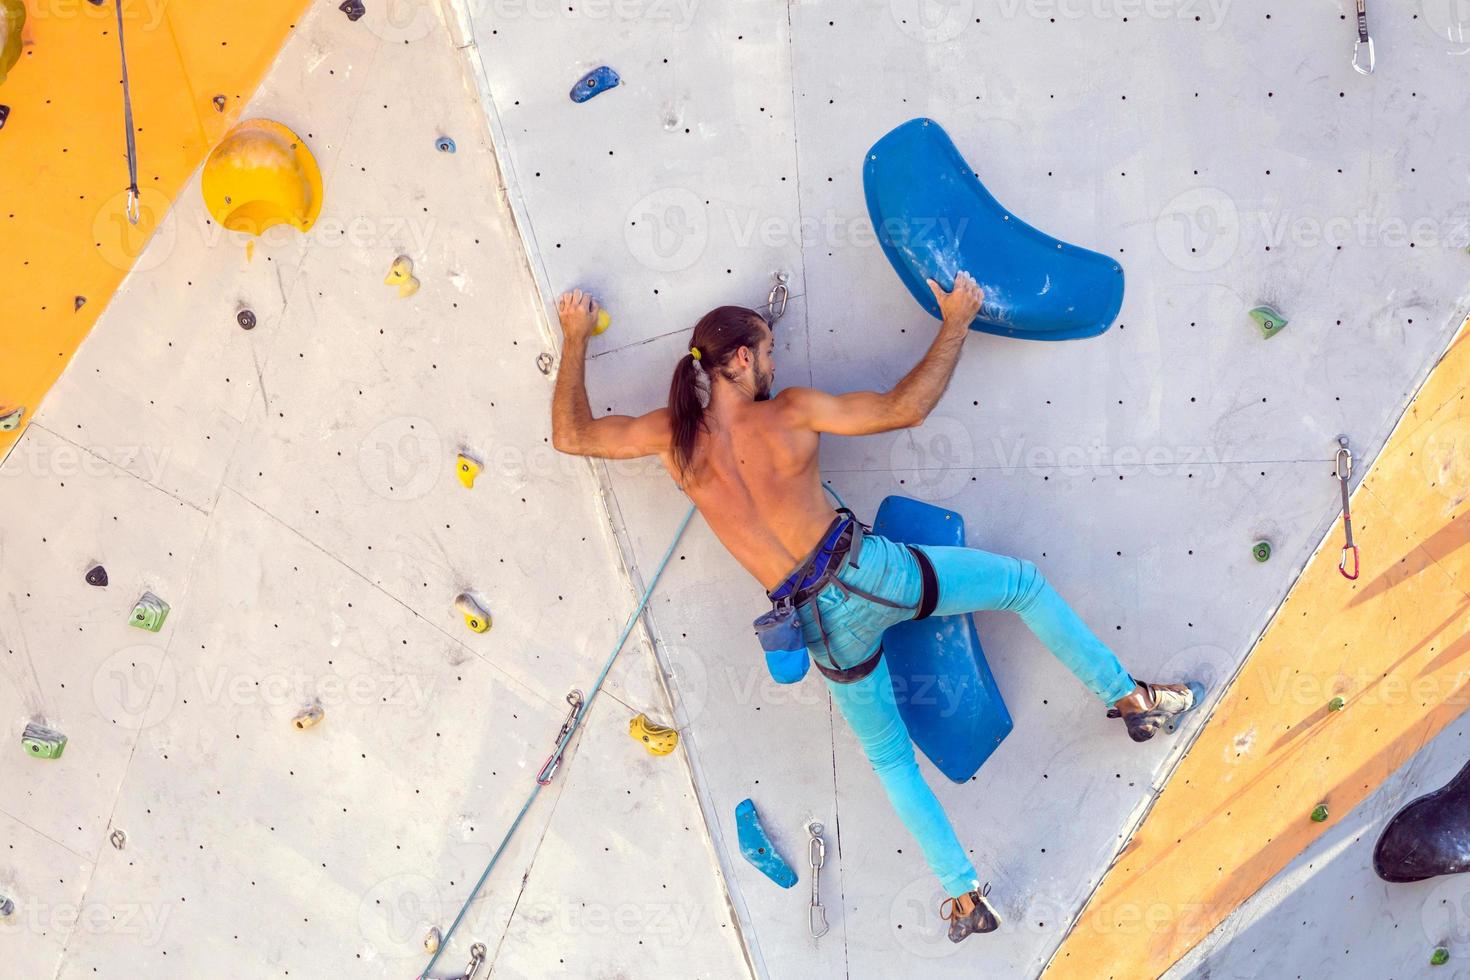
x,y
1344,474
817,854
133,211
840,546
574,719
776,299
1364,41
553,761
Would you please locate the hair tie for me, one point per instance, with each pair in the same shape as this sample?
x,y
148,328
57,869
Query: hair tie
x,y
694,353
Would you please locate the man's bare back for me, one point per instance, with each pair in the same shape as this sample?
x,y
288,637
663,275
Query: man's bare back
x,y
752,470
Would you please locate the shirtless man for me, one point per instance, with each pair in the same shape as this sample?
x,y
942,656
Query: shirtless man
x,y
748,460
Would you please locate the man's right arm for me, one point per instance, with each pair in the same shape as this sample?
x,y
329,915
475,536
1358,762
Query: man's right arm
x,y
909,402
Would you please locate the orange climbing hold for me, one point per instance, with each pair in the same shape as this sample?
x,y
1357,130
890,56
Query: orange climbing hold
x,y
262,175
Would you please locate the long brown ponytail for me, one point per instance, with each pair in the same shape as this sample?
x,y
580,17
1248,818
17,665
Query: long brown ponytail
x,y
718,336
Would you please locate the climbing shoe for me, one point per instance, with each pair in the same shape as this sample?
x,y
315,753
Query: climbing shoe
x,y
968,914
1157,706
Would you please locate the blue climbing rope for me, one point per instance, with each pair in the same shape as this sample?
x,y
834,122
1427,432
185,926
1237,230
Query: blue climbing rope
x,y
566,737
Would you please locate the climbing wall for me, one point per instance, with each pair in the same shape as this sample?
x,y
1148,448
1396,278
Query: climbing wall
x,y
1226,157
289,490
1331,894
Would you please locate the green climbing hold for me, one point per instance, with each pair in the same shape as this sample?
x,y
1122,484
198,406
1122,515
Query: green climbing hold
x,y
41,742
1337,703
10,421
149,613
1319,813
1441,956
1262,550
1268,320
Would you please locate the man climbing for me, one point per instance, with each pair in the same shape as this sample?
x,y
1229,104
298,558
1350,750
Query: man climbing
x,y
748,460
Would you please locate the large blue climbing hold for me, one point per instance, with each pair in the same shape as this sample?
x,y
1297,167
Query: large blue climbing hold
x,y
757,847
935,218
595,82
946,693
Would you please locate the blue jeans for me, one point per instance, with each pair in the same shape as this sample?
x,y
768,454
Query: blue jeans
x,y
969,580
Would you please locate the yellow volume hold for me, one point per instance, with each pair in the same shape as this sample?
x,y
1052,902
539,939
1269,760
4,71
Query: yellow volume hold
x,y
262,175
657,739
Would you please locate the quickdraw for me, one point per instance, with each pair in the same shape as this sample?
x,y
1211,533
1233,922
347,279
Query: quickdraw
x,y
1345,474
553,761
1364,42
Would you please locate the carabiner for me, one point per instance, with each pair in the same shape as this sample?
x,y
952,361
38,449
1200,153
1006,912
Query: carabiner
x,y
553,761
1342,562
776,299
1363,41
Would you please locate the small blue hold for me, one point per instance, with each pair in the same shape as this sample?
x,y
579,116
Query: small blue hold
x,y
444,144
595,82
757,848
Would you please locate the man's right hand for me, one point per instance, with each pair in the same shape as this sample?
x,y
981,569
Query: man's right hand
x,y
578,314
959,306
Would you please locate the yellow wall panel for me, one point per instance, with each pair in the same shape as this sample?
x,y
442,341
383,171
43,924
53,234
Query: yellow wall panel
x,y
63,228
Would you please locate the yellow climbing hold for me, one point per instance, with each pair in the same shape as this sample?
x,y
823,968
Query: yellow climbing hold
x,y
467,469
12,20
401,275
657,739
604,320
475,616
262,175
309,717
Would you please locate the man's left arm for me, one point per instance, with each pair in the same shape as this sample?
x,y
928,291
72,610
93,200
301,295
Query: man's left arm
x,y
573,429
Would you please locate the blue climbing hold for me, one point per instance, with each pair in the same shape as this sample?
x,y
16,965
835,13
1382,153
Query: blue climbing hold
x,y
945,691
757,847
935,218
595,82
